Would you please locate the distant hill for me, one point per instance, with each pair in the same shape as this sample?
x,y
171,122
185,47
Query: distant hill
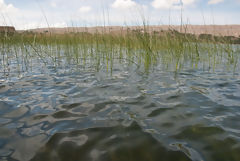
x,y
7,29
218,30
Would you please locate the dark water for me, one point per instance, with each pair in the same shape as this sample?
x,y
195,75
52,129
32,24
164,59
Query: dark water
x,y
75,113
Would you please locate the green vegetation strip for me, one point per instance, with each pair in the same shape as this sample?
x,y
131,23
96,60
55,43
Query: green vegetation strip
x,y
139,47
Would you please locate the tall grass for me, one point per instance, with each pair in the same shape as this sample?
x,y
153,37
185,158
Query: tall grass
x,y
141,47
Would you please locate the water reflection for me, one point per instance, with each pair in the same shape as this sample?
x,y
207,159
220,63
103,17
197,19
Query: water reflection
x,y
73,113
112,143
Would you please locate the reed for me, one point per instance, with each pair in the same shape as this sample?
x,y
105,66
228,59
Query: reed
x,y
140,47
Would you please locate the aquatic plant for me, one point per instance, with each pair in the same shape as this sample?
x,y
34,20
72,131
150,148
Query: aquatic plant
x,y
141,47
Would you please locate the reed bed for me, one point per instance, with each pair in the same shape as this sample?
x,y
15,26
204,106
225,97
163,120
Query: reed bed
x,y
139,47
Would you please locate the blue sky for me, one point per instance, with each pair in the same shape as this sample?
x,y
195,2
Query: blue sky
x,y
25,14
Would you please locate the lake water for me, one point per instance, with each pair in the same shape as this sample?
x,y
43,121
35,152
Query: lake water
x,y
71,112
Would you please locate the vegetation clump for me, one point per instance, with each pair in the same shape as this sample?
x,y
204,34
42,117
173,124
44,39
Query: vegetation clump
x,y
141,47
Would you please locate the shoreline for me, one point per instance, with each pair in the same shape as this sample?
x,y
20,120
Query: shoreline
x,y
215,30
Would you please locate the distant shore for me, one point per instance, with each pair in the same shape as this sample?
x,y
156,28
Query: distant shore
x,y
216,30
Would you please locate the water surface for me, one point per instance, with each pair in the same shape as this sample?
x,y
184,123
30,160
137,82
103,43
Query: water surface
x,y
74,112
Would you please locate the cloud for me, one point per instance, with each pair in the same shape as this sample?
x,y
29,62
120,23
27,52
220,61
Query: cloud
x,y
123,4
8,12
215,1
84,9
60,13
53,4
7,8
176,4
33,25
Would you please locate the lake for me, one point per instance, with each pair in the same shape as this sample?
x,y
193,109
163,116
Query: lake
x,y
64,111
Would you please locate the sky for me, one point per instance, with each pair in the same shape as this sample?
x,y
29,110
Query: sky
x,y
27,14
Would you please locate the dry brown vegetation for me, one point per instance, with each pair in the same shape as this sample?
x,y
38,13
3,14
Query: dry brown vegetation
x,y
8,29
216,30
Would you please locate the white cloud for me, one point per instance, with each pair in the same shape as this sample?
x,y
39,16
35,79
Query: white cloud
x,y
166,4
7,8
8,12
215,1
123,4
120,12
84,9
59,24
188,2
53,4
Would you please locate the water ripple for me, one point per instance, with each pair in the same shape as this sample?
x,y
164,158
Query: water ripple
x,y
57,113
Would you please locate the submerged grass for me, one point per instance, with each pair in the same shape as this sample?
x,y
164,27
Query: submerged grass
x,y
140,47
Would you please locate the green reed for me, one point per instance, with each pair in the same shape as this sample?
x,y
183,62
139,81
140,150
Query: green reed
x,y
140,47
